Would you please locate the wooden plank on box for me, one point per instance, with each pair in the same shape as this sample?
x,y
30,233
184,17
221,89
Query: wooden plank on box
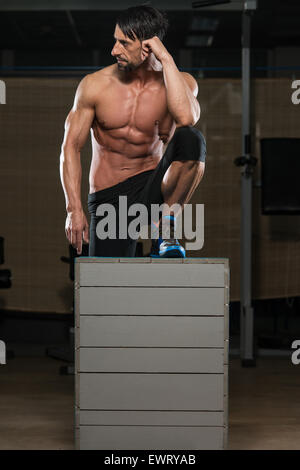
x,y
152,391
151,418
204,360
143,331
151,275
151,437
151,301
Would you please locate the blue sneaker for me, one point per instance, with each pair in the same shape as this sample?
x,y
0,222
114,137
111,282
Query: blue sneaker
x,y
171,249
167,246
155,248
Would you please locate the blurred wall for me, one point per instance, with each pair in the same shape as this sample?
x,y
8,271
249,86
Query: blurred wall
x,y
32,209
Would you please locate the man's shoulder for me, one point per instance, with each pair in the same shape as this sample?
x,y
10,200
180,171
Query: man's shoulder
x,y
100,75
104,72
90,83
188,77
191,81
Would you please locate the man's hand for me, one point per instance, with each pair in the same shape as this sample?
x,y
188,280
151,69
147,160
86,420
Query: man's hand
x,y
77,229
156,46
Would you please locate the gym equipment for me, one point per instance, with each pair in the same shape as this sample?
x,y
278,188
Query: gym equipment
x,y
151,353
280,167
5,283
5,274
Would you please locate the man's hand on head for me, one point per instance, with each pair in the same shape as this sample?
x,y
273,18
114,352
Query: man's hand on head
x,y
155,46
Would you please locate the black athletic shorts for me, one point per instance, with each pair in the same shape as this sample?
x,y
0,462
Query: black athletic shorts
x,y
187,143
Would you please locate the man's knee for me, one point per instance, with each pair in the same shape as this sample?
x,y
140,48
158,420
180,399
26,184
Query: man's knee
x,y
191,144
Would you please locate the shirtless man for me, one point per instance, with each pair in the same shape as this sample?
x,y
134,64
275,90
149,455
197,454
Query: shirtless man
x,y
140,112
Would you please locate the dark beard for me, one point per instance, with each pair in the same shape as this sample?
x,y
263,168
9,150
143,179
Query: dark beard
x,y
126,68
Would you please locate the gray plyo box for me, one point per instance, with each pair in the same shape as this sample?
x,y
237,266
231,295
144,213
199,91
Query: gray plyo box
x,y
151,359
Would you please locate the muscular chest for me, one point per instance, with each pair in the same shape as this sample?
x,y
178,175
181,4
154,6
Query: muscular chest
x,y
124,106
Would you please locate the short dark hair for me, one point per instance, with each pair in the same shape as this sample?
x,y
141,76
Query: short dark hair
x,y
142,22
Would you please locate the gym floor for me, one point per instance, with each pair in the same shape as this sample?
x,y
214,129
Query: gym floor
x,y
36,405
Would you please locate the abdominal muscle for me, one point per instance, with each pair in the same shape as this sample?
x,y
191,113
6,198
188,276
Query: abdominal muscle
x,y
115,159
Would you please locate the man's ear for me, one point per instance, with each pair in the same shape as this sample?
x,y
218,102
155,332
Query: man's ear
x,y
145,52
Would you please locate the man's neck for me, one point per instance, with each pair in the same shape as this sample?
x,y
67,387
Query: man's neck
x,y
144,72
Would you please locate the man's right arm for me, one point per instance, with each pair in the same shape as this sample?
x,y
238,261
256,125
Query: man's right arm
x,y
77,128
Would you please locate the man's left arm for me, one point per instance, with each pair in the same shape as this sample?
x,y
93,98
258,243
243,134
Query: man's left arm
x,y
182,90
181,87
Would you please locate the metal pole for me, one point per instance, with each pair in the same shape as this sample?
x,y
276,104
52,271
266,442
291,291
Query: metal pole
x,y
246,324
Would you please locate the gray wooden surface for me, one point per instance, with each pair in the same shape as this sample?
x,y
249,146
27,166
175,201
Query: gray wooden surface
x,y
152,360
151,342
151,275
151,301
152,391
150,437
146,331
152,418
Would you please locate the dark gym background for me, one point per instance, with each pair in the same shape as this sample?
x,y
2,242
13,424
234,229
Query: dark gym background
x,y
44,52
